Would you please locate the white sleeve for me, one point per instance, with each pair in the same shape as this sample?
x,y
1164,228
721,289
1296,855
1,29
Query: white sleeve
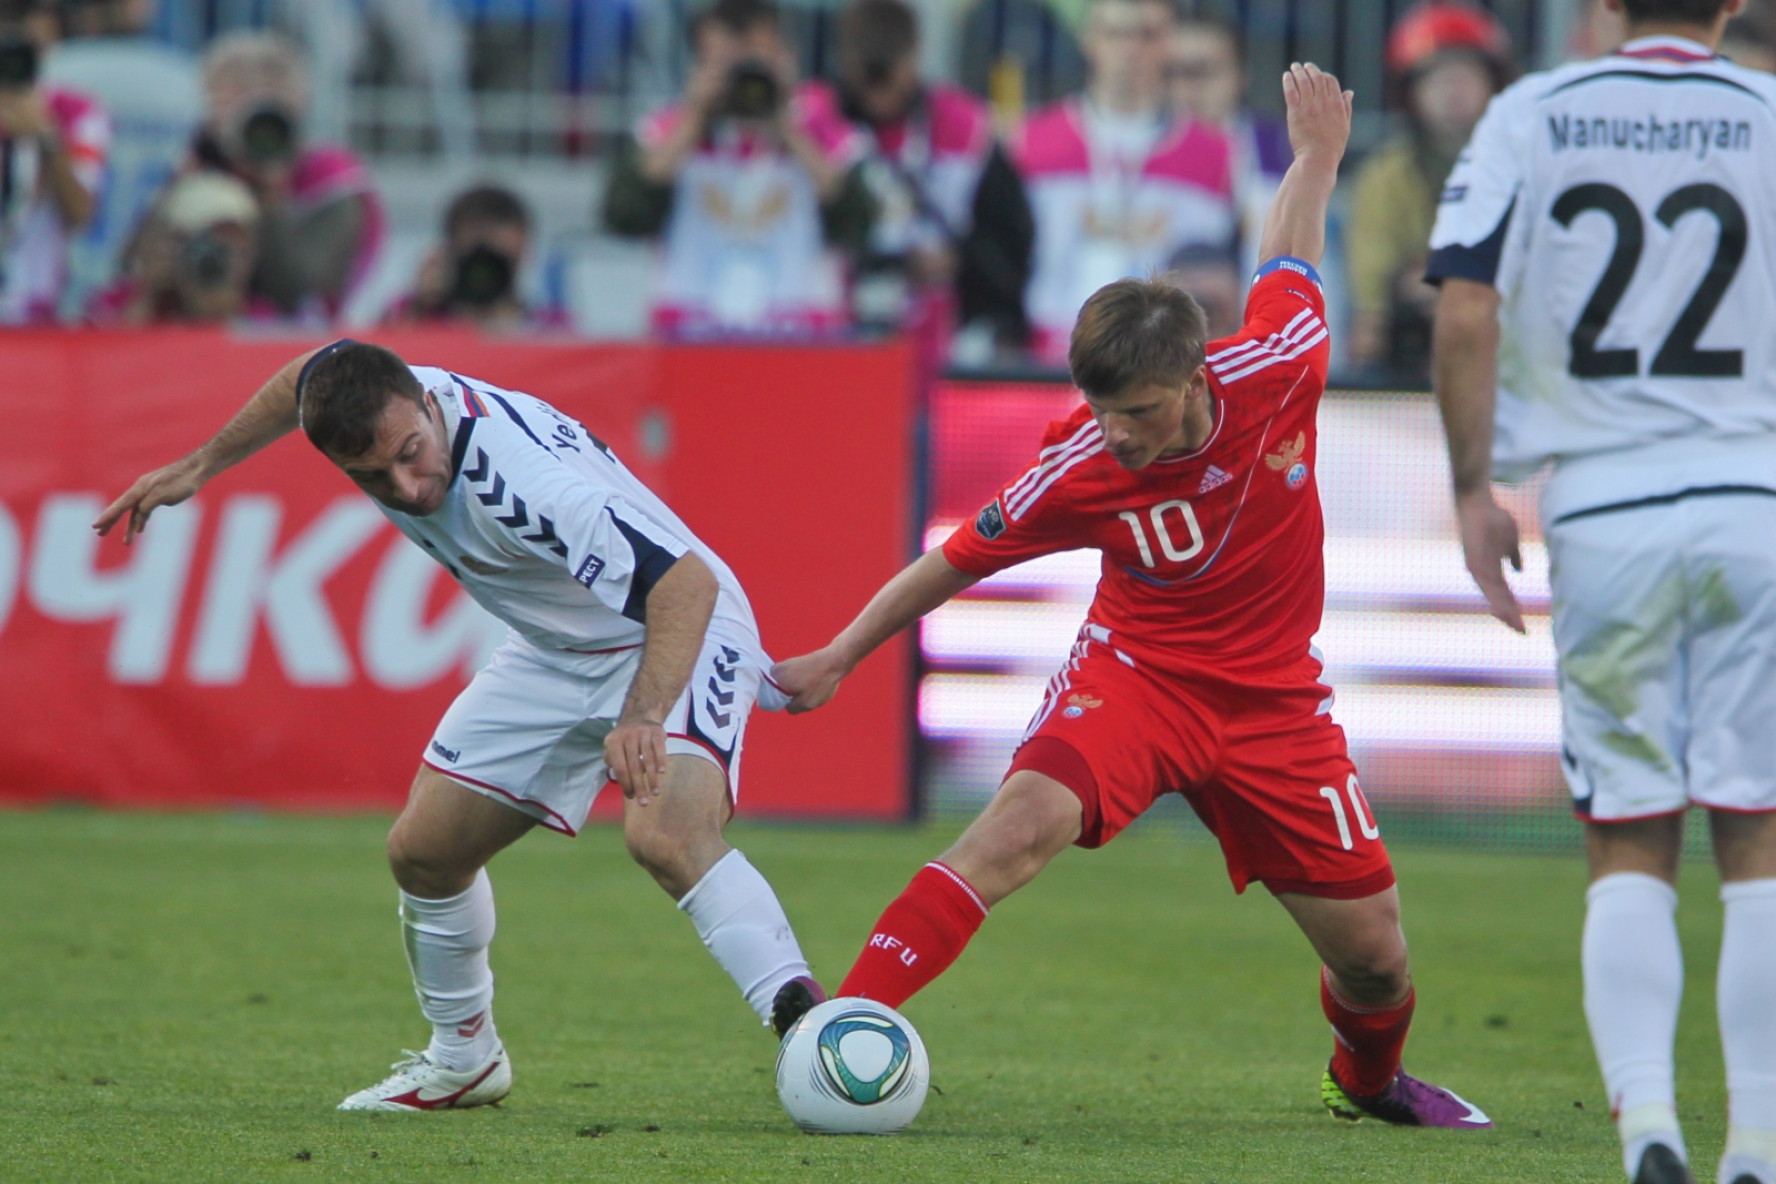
x,y
597,538
1475,208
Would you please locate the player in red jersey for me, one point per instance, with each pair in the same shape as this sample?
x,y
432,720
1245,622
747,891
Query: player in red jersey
x,y
1191,469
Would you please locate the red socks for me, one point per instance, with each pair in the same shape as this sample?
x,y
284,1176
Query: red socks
x,y
919,935
1369,1039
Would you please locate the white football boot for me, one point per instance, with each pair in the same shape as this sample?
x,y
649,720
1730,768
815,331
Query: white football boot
x,y
419,1084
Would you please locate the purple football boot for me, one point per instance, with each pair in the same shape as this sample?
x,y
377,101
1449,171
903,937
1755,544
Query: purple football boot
x,y
1406,1101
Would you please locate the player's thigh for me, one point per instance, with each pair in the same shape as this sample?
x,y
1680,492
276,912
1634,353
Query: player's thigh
x,y
1650,846
529,730
1118,738
1744,844
709,719
446,833
1619,611
1359,940
1286,803
1731,659
1030,820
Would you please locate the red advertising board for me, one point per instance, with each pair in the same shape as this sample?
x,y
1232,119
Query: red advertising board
x,y
277,643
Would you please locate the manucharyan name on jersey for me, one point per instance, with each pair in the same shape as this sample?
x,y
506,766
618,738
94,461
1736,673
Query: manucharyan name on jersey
x,y
1651,134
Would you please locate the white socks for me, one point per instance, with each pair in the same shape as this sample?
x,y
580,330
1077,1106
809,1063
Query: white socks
x,y
1746,998
740,921
447,944
1633,985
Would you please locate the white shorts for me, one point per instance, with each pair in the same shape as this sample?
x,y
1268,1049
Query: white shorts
x,y
1665,622
529,729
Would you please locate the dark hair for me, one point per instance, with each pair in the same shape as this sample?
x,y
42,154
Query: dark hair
x,y
736,16
1136,333
485,203
876,34
1196,18
1682,12
343,392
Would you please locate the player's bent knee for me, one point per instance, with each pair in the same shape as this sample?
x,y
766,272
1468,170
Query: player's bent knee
x,y
1374,975
421,872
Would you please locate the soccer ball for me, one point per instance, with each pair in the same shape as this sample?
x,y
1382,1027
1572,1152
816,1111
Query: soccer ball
x,y
852,1067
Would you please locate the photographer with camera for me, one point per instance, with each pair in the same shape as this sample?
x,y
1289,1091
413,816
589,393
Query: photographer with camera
x,y
472,278
191,259
320,221
752,181
952,243
53,142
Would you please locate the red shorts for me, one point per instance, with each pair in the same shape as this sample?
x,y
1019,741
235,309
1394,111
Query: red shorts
x,y
1266,770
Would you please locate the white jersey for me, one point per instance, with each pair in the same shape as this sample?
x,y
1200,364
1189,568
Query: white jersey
x,y
1625,209
546,529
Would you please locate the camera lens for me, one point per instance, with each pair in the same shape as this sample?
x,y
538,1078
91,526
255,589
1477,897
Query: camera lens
x,y
268,134
752,91
483,278
206,261
18,61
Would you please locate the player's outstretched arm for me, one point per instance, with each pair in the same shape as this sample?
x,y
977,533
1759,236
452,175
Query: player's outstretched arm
x,y
1464,366
268,415
811,679
679,606
1319,126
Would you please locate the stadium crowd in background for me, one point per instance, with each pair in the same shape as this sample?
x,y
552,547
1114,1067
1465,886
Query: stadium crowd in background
x,y
753,183
813,177
1119,182
1445,60
471,276
53,141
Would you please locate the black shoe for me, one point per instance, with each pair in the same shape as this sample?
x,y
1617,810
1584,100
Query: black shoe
x,y
795,999
1659,1164
1747,1178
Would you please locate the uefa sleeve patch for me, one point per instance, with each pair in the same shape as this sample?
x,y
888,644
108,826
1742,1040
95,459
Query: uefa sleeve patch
x,y
990,522
589,570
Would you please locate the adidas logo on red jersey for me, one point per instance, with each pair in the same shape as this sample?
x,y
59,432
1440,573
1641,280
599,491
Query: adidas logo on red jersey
x,y
1214,479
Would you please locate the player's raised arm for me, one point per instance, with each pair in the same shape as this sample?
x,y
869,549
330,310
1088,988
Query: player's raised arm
x,y
268,415
1319,126
921,586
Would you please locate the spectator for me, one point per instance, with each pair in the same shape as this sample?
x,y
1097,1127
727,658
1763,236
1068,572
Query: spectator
x,y
1118,184
192,259
1446,60
952,242
1207,72
1750,39
320,221
752,181
1214,276
53,142
472,278
154,96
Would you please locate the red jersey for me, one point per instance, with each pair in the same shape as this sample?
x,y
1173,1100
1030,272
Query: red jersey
x,y
1212,562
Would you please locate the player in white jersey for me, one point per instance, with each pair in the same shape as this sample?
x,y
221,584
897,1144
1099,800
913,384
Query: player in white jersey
x,y
1606,248
633,656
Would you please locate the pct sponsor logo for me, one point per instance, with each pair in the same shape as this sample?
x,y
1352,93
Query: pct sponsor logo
x,y
1215,478
990,522
449,754
589,570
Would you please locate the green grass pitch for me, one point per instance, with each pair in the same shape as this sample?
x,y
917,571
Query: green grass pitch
x,y
186,998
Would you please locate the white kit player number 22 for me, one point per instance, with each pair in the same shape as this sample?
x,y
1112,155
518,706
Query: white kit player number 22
x,y
1678,355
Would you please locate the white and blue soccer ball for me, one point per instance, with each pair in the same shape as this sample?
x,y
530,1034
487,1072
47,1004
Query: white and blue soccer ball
x,y
852,1067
